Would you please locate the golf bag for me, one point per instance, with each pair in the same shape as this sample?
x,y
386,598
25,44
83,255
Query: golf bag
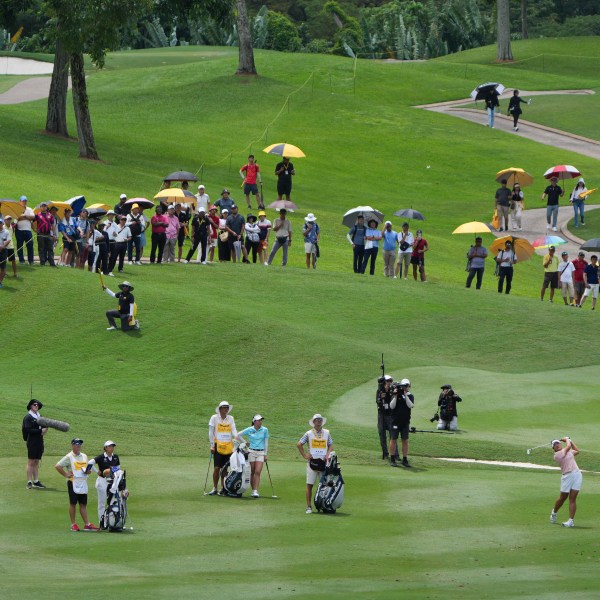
x,y
115,514
330,493
236,473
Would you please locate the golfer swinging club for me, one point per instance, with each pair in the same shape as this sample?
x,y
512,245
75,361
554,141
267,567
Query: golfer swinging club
x,y
570,481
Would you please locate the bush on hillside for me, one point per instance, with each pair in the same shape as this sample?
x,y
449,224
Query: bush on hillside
x,y
282,34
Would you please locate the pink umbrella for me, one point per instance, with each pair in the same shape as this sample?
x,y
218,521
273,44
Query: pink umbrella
x,y
562,172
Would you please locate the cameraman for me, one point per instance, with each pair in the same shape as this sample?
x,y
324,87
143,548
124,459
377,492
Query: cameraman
x,y
447,408
384,413
401,405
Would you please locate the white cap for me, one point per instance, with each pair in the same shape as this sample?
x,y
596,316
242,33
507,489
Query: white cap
x,y
257,418
317,416
123,196
111,212
388,222
171,206
388,378
201,186
405,382
554,442
109,443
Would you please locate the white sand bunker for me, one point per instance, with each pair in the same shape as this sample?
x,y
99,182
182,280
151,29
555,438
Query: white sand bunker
x,y
501,463
24,66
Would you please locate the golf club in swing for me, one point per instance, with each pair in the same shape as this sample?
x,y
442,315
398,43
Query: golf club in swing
x,y
271,481
530,450
207,472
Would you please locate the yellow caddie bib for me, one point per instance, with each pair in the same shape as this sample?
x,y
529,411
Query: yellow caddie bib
x,y
224,438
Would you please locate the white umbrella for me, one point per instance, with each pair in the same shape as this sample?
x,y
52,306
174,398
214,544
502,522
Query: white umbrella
x,y
368,213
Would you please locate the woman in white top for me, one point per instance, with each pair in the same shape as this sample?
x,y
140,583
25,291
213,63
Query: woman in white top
x,y
252,236
578,201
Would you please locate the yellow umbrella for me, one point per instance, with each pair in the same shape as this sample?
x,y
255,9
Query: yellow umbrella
x,y
99,206
60,205
514,175
586,194
473,227
170,193
11,207
283,149
522,248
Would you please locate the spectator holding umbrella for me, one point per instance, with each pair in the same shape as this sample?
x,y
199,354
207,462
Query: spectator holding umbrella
x,y
282,227
491,105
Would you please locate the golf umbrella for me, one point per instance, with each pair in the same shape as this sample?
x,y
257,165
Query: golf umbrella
x,y
279,204
180,176
592,245
514,175
189,199
546,241
409,213
473,227
141,202
171,194
562,172
349,219
96,213
11,207
283,149
522,248
100,205
482,90
59,205
76,203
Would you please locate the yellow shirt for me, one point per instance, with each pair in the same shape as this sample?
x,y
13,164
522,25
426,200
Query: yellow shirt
x,y
550,264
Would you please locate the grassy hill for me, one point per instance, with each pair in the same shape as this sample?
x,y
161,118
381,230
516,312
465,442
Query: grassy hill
x,y
288,343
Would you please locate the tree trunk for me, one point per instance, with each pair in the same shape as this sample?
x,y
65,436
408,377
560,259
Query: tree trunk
x,y
85,134
503,39
524,28
246,65
56,116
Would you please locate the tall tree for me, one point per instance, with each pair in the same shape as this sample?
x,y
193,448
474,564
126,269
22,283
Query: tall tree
x,y
56,115
246,64
524,27
504,51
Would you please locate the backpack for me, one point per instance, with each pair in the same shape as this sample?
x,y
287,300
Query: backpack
x,y
355,229
135,226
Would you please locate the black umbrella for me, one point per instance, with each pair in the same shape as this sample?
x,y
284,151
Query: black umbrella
x,y
409,213
181,176
592,245
96,213
481,91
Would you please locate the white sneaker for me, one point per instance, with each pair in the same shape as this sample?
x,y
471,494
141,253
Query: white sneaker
x,y
266,264
548,226
568,523
213,492
129,262
185,262
110,328
255,494
111,274
308,510
138,263
552,517
554,229
203,262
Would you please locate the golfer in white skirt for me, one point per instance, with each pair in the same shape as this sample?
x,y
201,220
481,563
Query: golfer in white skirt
x,y
571,479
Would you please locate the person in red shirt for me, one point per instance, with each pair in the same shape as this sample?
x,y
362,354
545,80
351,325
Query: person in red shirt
x,y
214,219
578,282
250,173
417,258
45,223
159,236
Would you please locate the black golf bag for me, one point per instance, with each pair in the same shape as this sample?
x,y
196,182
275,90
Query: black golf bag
x,y
236,473
115,514
330,493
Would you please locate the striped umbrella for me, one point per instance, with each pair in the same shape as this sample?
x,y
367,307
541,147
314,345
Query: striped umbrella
x,y
283,149
562,172
546,241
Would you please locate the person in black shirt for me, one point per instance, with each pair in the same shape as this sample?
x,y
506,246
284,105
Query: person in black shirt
x,y
514,108
33,434
284,171
401,405
105,463
447,407
200,234
383,399
503,198
491,104
125,310
553,193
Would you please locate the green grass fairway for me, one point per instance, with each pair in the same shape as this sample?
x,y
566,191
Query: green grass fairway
x,y
290,342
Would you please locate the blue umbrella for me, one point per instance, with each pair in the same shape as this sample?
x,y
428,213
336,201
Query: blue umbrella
x,y
77,203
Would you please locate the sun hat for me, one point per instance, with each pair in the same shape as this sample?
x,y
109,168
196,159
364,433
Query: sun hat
x,y
109,443
136,205
126,283
111,212
257,418
262,213
317,416
310,218
250,216
32,401
212,207
7,217
223,404
123,197
76,442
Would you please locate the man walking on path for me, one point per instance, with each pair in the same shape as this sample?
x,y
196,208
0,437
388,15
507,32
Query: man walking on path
x,y
552,193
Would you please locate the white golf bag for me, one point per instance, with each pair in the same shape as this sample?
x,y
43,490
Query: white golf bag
x,y
115,514
237,472
330,492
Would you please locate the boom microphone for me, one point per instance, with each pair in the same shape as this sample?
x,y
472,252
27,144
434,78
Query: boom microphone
x,y
53,423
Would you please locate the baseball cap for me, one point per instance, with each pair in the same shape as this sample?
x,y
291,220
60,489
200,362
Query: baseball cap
x,y
581,254
1,220
552,248
111,212
225,191
77,441
109,443
201,186
23,198
257,418
446,386
388,222
123,196
171,206
388,378
225,211
405,382
565,254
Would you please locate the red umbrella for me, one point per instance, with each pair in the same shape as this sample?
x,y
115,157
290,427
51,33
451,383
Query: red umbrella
x,y
562,172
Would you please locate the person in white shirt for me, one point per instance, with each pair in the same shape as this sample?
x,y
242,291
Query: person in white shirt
x,y
121,236
405,247
506,259
110,228
24,233
565,271
221,433
202,199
